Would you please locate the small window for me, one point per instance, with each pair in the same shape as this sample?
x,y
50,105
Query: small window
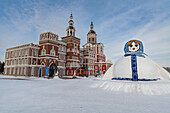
x,y
34,62
11,54
43,52
93,39
23,52
19,52
52,53
15,53
34,52
26,51
19,61
64,49
25,61
89,39
60,48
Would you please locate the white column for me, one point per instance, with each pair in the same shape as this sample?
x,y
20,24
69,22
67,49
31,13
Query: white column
x,y
14,70
17,70
32,71
10,70
5,70
21,70
25,71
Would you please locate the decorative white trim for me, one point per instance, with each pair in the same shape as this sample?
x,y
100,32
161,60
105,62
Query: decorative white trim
x,y
26,57
61,67
48,58
63,43
73,60
62,53
47,39
24,66
20,48
48,44
61,61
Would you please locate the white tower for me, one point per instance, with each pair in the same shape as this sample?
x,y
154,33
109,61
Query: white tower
x,y
70,29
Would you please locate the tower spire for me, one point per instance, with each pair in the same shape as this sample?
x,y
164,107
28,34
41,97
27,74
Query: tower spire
x,y
91,36
91,26
70,29
71,16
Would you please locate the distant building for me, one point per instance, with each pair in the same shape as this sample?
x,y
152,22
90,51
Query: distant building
x,y
52,55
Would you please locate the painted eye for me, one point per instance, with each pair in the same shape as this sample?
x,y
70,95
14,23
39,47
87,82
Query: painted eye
x,y
130,45
136,45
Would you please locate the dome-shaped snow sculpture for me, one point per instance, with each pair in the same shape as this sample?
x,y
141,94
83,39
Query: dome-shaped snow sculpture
x,y
136,65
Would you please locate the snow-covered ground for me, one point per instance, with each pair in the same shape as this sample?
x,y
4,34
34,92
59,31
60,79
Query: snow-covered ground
x,y
86,95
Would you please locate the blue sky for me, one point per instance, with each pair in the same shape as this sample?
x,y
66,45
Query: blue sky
x,y
115,21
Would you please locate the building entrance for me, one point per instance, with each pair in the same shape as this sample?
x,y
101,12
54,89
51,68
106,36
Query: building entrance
x,y
52,70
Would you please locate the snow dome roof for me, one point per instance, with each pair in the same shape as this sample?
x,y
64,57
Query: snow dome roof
x,y
136,65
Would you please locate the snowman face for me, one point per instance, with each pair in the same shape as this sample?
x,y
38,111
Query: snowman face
x,y
133,47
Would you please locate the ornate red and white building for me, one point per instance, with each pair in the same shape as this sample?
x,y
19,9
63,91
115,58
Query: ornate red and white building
x,y
52,55
93,55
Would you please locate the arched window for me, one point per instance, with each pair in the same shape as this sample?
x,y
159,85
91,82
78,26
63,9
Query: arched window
x,y
64,48
60,48
52,52
34,52
68,64
19,52
43,52
70,32
93,39
89,39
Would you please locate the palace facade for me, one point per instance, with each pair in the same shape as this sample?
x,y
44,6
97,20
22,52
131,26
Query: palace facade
x,y
52,55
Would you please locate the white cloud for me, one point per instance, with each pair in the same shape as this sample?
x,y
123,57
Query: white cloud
x,y
117,24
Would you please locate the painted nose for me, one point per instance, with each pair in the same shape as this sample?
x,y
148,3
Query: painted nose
x,y
133,48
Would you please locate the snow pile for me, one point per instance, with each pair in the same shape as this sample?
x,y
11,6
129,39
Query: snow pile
x,y
9,77
140,87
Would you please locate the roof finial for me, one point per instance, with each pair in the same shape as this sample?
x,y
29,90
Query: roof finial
x,y
91,26
91,22
71,16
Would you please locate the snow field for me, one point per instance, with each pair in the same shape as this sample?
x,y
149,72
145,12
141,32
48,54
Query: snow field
x,y
38,95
